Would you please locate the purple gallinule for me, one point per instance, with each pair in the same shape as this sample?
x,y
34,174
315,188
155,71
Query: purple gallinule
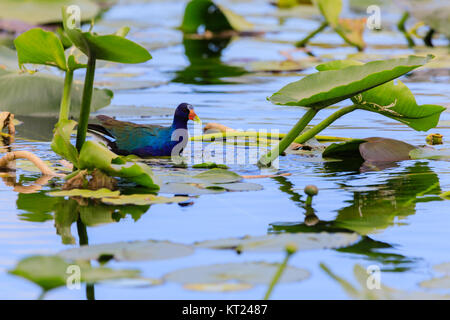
x,y
146,140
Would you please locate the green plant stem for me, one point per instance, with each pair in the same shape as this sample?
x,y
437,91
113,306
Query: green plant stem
x,y
308,201
277,276
428,39
42,295
324,124
266,159
305,40
347,40
401,27
65,101
86,102
258,135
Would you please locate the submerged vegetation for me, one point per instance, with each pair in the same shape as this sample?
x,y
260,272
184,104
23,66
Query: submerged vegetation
x,y
215,206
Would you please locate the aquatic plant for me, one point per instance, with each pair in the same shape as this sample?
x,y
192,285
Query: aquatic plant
x,y
369,86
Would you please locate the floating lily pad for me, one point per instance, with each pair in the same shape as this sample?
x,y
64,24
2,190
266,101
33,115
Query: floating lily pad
x,y
217,287
141,199
191,189
209,165
130,251
430,153
252,273
304,241
39,94
218,175
443,268
437,283
44,11
85,193
50,272
240,186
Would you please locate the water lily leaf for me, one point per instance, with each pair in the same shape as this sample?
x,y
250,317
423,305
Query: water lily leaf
x,y
85,193
304,241
430,153
217,287
384,149
392,100
443,268
141,199
253,273
40,94
344,150
214,18
352,30
240,186
130,251
61,141
396,101
330,9
50,272
94,155
279,66
325,88
192,189
445,195
218,175
38,46
8,59
209,165
236,21
337,64
106,47
45,11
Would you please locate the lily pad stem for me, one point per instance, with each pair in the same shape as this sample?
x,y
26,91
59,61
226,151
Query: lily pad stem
x,y
278,275
401,27
86,102
311,133
305,40
266,159
65,101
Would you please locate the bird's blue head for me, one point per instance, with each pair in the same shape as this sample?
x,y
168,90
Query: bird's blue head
x,y
184,113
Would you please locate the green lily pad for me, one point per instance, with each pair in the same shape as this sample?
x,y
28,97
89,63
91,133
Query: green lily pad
x,y
192,189
209,165
141,199
39,94
325,88
430,153
85,193
218,175
217,287
304,241
130,251
240,186
44,11
392,100
253,273
38,46
50,272
109,47
344,150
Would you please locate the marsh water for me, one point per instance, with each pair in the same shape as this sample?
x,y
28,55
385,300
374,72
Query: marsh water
x,y
396,208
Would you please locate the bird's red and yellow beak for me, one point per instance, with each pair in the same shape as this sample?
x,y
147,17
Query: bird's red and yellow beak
x,y
193,116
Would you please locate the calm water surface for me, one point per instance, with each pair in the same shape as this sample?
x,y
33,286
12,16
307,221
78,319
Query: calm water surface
x,y
405,232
